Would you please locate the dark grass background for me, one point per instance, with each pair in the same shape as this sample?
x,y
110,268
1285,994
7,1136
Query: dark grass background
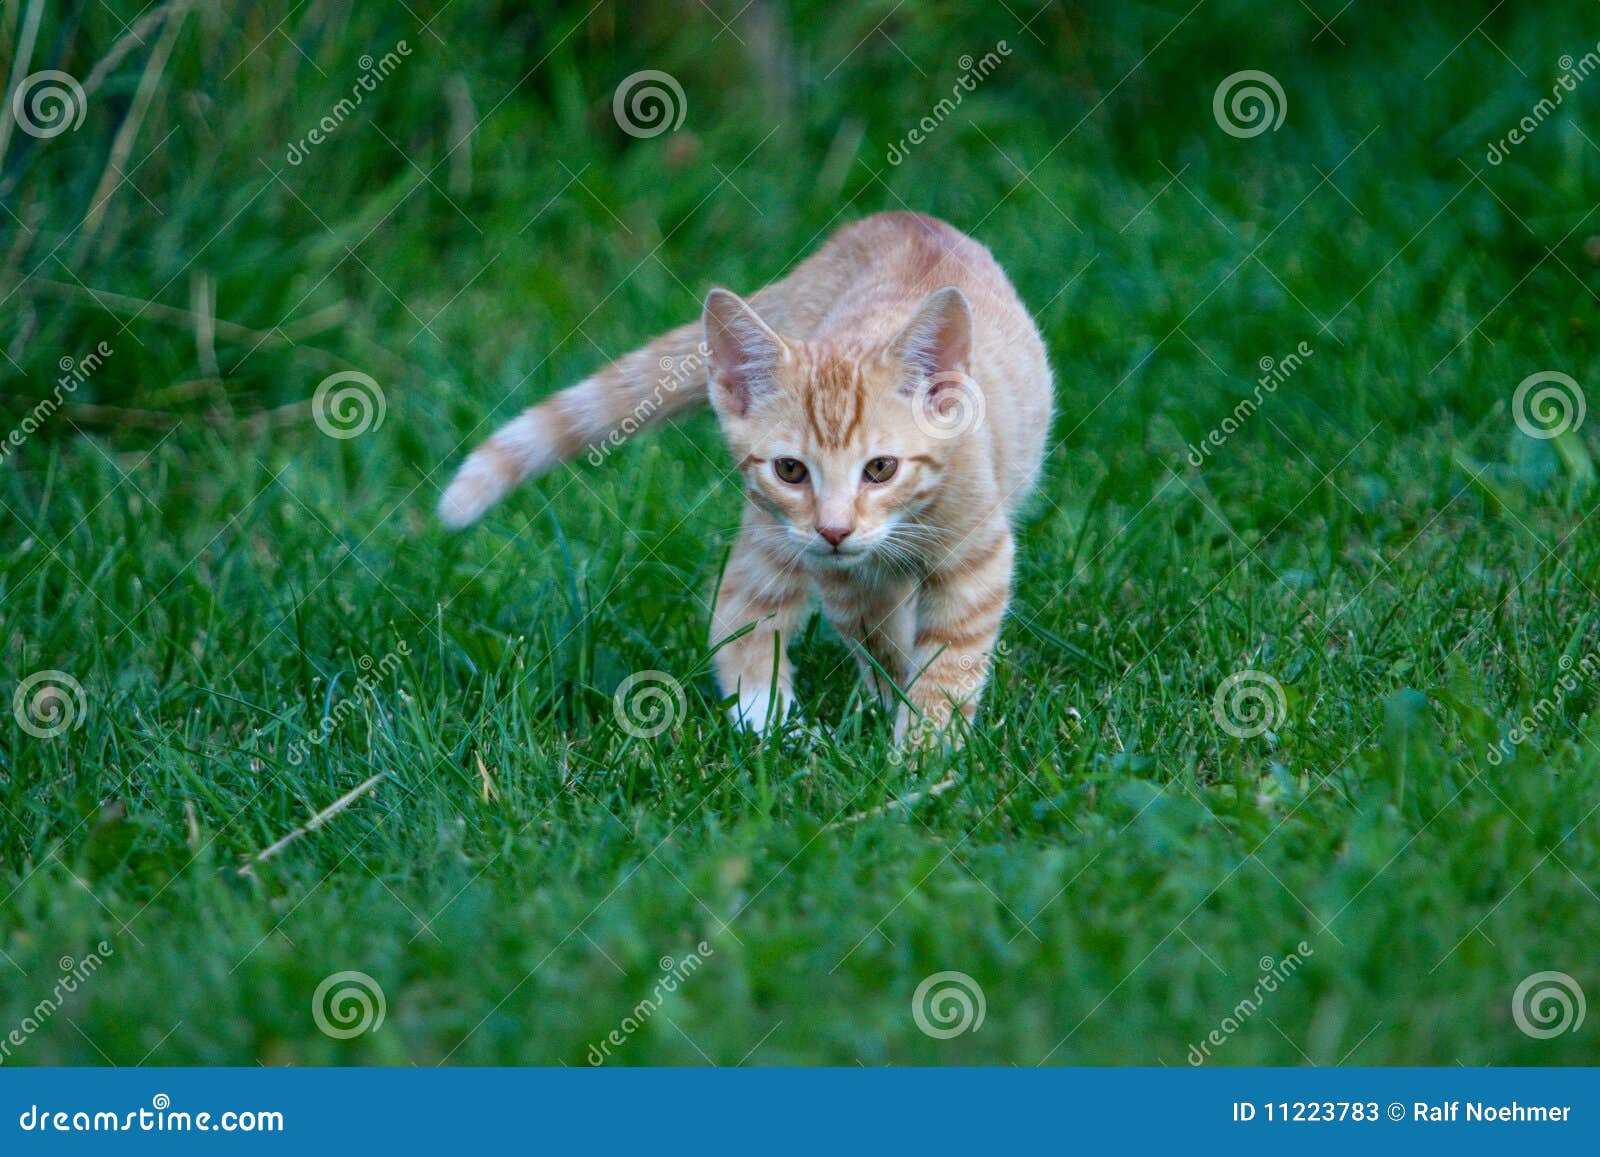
x,y
1380,538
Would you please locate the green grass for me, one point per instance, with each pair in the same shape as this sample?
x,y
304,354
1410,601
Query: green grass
x,y
1113,866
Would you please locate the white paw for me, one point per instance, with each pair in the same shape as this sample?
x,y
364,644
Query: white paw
x,y
757,710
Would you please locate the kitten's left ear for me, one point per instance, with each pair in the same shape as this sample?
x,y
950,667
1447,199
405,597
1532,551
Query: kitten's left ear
x,y
938,340
744,353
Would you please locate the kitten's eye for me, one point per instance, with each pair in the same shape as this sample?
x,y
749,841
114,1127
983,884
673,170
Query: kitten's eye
x,y
881,469
791,470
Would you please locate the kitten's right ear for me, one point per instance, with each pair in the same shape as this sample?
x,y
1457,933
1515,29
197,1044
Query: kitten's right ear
x,y
744,353
937,342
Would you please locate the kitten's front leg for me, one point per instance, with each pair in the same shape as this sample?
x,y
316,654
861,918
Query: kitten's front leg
x,y
762,588
959,611
878,619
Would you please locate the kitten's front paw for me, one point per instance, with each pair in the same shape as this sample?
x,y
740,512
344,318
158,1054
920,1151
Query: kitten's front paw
x,y
935,727
760,712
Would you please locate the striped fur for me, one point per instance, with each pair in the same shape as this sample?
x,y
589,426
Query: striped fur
x,y
861,355
664,378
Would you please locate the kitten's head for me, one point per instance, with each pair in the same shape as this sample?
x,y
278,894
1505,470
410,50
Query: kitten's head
x,y
845,446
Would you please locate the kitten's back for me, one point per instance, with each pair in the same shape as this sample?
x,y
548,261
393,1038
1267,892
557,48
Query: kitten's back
x,y
860,289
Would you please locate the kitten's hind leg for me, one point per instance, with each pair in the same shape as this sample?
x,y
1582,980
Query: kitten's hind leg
x,y
765,591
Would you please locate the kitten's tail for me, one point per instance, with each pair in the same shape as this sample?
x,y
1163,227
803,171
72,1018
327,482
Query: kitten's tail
x,y
664,378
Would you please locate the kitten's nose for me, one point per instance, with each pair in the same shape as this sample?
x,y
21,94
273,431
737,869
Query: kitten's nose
x,y
834,534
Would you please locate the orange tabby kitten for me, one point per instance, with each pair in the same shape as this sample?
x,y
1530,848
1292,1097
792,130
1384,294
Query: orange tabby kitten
x,y
887,403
